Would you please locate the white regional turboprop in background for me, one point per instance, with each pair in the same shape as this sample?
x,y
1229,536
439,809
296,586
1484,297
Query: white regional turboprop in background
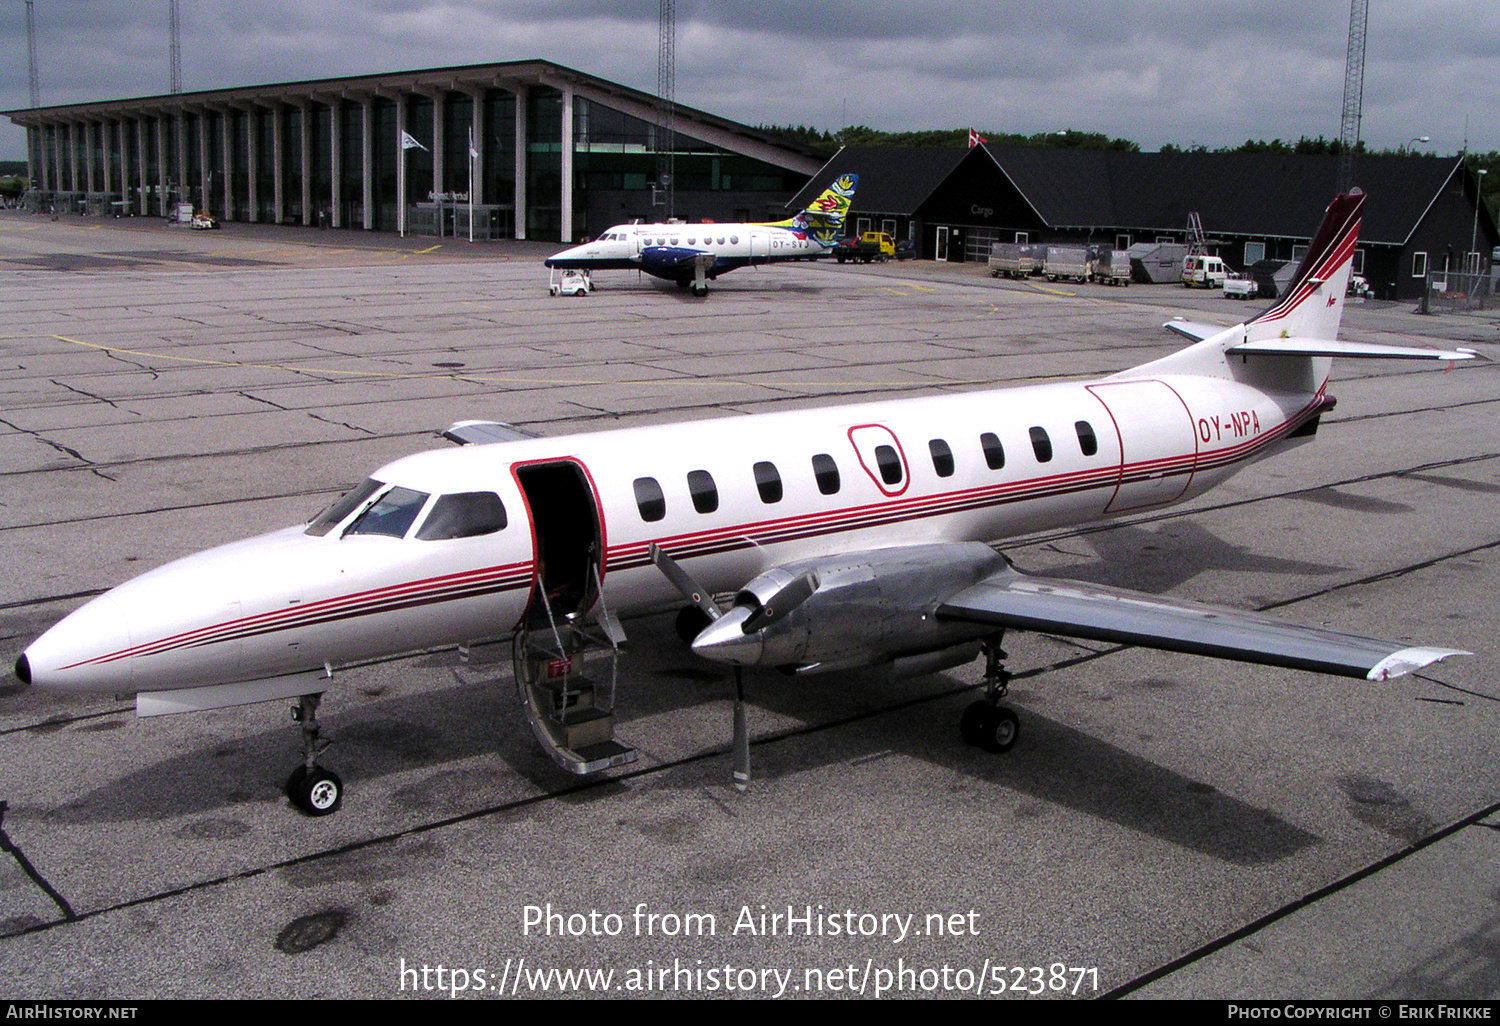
x,y
847,536
691,254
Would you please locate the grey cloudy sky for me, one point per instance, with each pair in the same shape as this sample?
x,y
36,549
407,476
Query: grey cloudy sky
x,y
1156,71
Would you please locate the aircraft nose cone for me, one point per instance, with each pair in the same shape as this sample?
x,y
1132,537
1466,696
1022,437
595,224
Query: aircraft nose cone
x,y
725,640
87,652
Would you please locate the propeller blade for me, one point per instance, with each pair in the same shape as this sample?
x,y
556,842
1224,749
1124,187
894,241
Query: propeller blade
x,y
684,583
786,599
741,734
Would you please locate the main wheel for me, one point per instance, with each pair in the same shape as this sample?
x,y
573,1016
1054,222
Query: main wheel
x,y
1001,730
971,723
700,290
317,793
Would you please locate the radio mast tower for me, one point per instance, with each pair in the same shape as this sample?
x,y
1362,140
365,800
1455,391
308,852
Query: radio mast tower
x,y
36,84
1354,91
176,44
666,88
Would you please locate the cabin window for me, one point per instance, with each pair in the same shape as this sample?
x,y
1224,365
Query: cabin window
x,y
734,240
1041,444
889,464
721,240
768,482
463,515
346,504
1088,444
649,499
704,492
942,457
391,515
994,452
826,472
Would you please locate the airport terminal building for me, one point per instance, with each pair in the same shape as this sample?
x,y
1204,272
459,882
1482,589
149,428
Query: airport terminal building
x,y
342,151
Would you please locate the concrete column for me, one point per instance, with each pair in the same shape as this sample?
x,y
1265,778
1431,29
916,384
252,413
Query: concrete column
x,y
90,134
438,122
252,163
566,185
226,133
336,163
305,145
476,133
161,166
182,162
400,165
73,156
143,168
106,130
124,164
368,154
278,159
204,190
520,190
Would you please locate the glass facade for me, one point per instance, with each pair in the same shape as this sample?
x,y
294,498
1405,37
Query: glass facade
x,y
227,159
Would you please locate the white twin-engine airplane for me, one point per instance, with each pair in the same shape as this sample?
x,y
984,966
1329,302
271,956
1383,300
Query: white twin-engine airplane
x,y
846,537
691,254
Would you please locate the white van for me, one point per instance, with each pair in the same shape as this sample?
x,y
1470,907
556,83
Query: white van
x,y
1208,271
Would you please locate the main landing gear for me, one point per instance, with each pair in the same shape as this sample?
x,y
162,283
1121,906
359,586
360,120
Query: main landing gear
x,y
313,789
987,724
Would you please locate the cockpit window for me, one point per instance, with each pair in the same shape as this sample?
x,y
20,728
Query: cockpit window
x,y
347,503
391,515
463,515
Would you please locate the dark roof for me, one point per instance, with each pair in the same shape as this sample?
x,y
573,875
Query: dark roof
x,y
892,179
1265,194
1256,194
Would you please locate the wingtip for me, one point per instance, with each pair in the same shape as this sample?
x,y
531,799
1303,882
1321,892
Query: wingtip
x,y
1409,659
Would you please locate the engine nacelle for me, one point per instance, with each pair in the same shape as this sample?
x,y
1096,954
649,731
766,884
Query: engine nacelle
x,y
863,608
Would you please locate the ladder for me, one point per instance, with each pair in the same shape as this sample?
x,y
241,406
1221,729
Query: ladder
x,y
1197,241
571,711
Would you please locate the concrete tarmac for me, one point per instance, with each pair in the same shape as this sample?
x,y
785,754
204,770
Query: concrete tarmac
x,y
1168,826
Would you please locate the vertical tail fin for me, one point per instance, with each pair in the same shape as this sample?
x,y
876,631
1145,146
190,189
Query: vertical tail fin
x,y
1313,303
824,218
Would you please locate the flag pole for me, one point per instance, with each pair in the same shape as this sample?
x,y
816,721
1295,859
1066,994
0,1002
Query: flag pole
x,y
472,154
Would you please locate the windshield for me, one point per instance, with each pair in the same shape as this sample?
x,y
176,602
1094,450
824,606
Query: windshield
x,y
391,515
346,504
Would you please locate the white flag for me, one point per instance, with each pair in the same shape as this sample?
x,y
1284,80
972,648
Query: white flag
x,y
473,153
407,142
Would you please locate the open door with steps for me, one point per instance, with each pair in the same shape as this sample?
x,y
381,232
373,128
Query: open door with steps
x,y
567,650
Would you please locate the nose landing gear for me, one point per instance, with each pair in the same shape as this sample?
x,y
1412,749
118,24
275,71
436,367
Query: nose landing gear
x,y
311,788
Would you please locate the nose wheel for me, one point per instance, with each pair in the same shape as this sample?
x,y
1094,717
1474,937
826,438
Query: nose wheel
x,y
311,788
986,723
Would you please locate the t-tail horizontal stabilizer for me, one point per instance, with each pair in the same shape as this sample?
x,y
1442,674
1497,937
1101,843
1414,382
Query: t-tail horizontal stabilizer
x,y
1012,598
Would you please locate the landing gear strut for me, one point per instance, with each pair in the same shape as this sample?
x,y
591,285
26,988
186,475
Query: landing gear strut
x,y
987,724
313,789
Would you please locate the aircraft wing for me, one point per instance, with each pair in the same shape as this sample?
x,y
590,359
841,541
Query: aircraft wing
x,y
1011,598
485,432
655,259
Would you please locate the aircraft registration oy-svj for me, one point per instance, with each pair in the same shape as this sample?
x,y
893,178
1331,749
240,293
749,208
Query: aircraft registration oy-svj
x,y
692,254
843,537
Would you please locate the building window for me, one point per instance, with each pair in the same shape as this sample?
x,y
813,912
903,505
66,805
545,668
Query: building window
x,y
649,499
768,482
1298,252
1022,238
1359,261
1041,444
1122,241
1255,252
827,473
1419,265
704,492
942,457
